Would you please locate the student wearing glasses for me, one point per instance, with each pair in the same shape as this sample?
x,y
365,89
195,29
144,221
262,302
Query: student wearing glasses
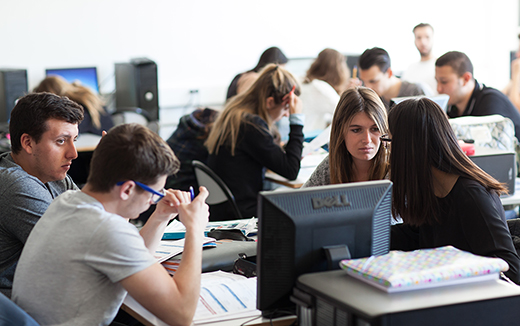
x,y
83,256
356,152
43,129
242,142
441,195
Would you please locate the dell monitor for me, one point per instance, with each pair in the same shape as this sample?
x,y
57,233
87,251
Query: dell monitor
x,y
85,76
295,228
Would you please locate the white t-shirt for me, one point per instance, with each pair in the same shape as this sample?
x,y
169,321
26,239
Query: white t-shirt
x,y
422,72
319,101
74,258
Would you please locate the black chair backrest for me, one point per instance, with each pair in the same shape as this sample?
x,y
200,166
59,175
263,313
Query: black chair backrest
x,y
218,190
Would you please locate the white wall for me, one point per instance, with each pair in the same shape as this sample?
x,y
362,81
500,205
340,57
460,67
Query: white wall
x,y
203,44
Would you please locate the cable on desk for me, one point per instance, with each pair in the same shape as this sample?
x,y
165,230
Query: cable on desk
x,y
250,320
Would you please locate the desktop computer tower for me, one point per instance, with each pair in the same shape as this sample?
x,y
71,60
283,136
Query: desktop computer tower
x,y
13,85
136,86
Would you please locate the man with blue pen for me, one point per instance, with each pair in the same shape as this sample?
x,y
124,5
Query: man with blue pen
x,y
87,254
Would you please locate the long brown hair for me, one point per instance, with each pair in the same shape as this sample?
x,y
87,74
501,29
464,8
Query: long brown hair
x,y
273,81
331,67
422,138
78,93
352,102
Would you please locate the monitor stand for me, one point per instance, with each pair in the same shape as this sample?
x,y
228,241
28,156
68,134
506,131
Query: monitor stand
x,y
335,254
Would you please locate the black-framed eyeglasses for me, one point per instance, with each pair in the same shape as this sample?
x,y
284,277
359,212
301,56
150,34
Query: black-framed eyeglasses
x,y
156,195
386,138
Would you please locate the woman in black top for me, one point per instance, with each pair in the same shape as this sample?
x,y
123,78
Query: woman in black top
x,y
441,195
242,145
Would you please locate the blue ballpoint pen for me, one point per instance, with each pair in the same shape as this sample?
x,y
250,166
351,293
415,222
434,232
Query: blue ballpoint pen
x,y
192,193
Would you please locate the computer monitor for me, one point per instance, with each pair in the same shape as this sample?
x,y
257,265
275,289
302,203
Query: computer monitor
x,y
86,76
295,226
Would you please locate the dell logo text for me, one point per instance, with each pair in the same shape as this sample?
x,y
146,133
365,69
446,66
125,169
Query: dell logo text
x,y
334,201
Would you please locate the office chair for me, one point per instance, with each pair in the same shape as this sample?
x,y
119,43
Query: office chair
x,y
12,314
219,193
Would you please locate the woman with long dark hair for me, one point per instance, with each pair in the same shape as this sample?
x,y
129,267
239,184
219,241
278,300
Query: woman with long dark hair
x,y
441,195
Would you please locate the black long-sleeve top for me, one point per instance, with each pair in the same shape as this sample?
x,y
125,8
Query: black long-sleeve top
x,y
255,151
472,219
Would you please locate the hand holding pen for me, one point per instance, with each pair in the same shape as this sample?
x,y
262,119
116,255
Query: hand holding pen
x,y
293,102
192,193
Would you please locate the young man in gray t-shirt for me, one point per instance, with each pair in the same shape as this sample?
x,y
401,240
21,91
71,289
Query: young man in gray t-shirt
x,y
83,256
43,129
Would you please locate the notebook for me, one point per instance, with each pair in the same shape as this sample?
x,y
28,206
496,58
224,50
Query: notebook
x,y
402,271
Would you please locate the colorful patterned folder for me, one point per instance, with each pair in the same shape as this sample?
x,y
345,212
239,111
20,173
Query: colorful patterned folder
x,y
402,271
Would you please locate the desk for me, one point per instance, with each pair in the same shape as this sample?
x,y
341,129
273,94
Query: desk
x,y
307,166
337,296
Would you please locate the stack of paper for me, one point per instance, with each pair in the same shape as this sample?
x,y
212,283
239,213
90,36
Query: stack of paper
x,y
401,271
225,296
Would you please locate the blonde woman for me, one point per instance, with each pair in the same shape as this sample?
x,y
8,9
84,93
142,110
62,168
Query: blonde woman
x,y
356,154
241,143
96,118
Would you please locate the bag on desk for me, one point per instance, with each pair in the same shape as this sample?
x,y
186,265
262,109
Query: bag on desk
x,y
245,266
231,234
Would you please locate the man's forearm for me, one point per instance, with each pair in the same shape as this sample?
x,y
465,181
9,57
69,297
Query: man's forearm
x,y
152,233
188,275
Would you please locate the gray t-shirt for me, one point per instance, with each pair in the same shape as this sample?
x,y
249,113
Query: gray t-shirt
x,y
73,261
23,200
320,176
